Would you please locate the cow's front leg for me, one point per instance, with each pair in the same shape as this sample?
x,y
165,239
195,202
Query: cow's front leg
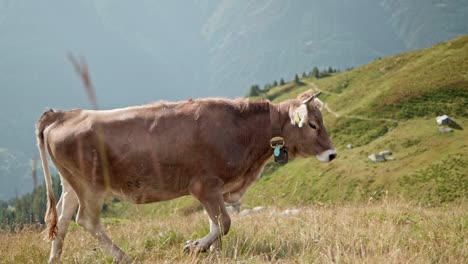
x,y
210,194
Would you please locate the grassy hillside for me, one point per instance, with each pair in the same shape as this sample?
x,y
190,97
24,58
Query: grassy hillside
x,y
389,104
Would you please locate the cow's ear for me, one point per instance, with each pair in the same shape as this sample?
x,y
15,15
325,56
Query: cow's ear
x,y
298,114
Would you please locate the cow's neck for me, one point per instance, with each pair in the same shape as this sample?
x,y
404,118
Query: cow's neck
x,y
260,129
258,132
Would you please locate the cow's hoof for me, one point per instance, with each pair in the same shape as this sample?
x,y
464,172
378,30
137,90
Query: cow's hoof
x,y
194,247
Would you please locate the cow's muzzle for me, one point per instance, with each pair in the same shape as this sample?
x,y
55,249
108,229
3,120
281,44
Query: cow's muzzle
x,y
327,155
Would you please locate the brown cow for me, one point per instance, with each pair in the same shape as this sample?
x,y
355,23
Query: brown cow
x,y
213,149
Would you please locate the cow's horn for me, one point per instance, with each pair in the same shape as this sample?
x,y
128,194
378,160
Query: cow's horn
x,y
308,100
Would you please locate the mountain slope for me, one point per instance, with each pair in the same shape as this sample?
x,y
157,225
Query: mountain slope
x,y
256,41
389,104
421,23
273,39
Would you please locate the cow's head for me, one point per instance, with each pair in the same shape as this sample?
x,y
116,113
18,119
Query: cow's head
x,y
305,134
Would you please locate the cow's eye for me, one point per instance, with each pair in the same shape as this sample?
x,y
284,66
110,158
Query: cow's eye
x,y
312,126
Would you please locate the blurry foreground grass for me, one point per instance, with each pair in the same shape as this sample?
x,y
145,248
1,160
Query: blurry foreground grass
x,y
380,232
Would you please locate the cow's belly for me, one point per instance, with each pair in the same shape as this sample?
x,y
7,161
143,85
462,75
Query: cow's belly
x,y
235,190
150,188
143,177
146,196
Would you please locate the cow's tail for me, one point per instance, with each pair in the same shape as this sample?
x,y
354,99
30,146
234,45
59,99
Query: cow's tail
x,y
51,214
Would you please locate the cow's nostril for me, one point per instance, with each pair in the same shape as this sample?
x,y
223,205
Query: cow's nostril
x,y
332,156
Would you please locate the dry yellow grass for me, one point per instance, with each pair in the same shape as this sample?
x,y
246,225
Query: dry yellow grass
x,y
383,232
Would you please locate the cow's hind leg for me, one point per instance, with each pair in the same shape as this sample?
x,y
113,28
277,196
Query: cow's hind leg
x,y
66,207
88,216
209,193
